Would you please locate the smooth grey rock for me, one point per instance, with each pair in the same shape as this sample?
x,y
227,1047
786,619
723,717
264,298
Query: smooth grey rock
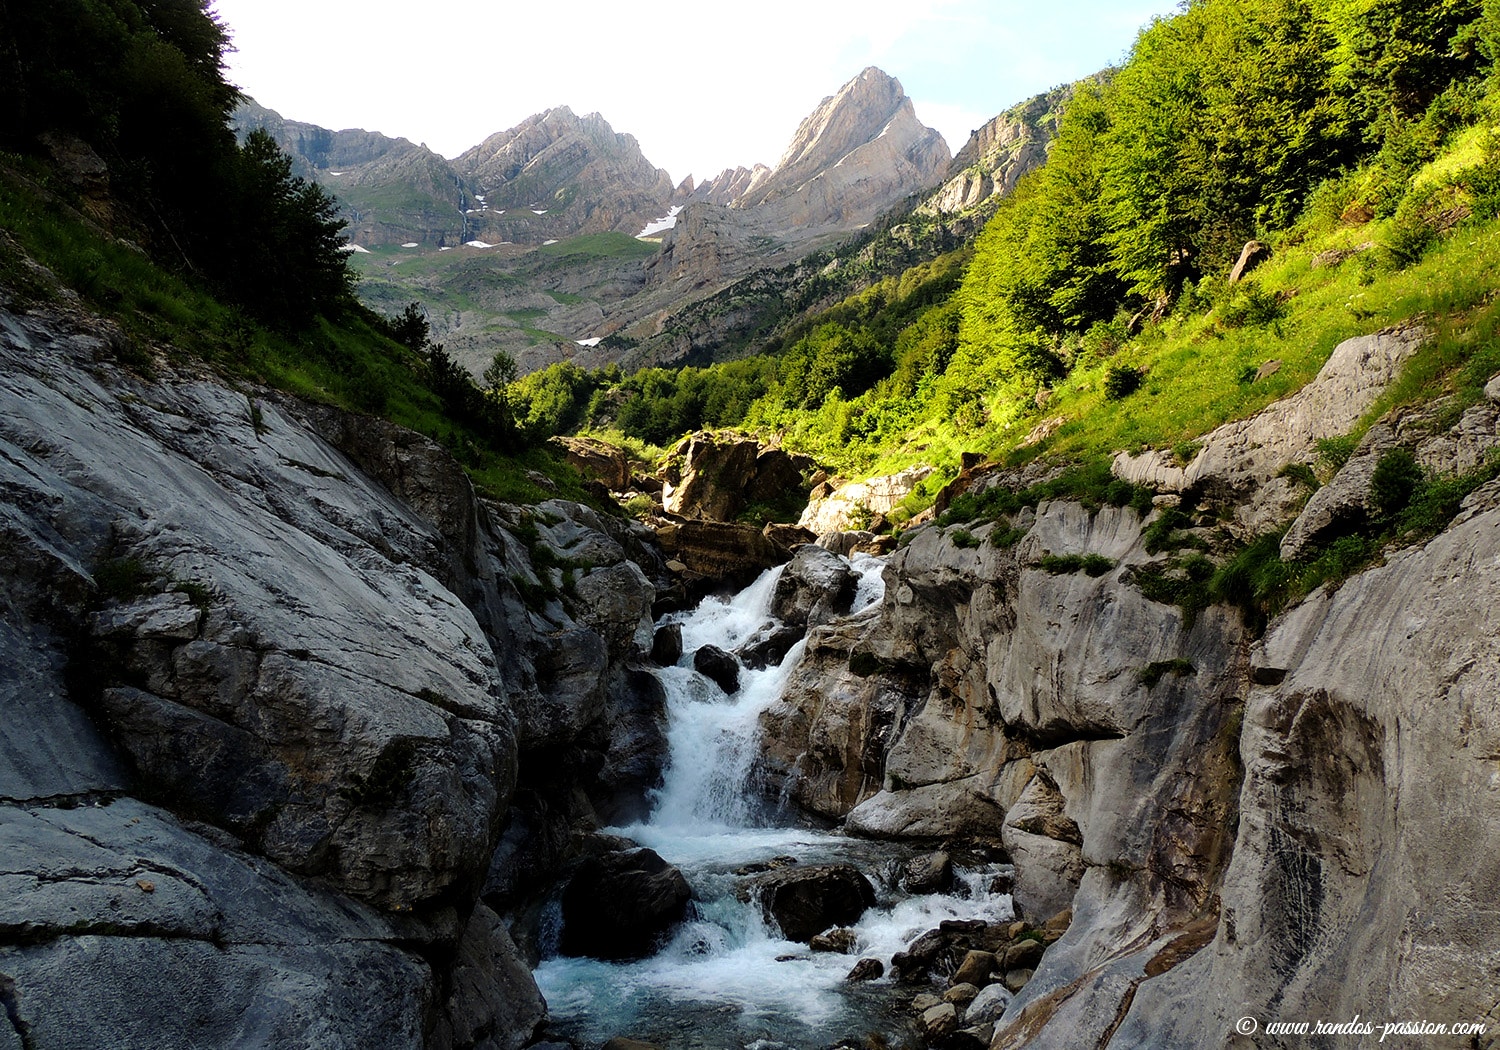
x,y
988,1005
1252,255
1492,389
815,587
1343,503
1242,458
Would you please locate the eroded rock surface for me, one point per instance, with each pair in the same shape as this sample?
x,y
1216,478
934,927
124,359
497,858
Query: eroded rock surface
x,y
269,684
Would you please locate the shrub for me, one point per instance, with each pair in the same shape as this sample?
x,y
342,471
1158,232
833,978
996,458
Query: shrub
x,y
1121,381
1062,564
1396,481
1155,671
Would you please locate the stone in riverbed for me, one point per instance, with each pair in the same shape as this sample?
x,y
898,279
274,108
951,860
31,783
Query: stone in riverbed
x,y
619,905
804,902
866,970
975,969
841,941
719,667
988,1005
960,995
928,873
666,645
940,1020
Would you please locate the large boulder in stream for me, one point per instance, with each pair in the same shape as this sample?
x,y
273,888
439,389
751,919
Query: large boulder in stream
x,y
804,902
718,667
815,587
619,906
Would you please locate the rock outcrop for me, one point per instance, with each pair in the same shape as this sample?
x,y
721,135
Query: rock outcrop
x,y
1231,826
1240,463
273,687
716,476
854,505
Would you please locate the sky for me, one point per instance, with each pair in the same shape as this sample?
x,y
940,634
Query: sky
x,y
703,86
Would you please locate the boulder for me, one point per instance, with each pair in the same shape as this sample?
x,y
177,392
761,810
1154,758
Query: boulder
x,y
988,1005
715,555
492,995
940,1020
804,902
1015,980
666,645
1492,389
596,459
1252,255
789,537
975,968
840,941
815,587
960,995
866,970
851,505
1024,955
720,475
719,667
769,646
928,873
618,906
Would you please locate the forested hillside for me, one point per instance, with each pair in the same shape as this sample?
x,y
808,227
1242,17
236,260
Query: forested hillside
x,y
1351,139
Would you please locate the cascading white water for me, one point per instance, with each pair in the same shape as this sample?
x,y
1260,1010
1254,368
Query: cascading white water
x,y
711,737
727,978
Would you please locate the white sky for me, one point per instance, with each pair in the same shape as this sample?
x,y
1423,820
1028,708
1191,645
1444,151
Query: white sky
x,y
703,86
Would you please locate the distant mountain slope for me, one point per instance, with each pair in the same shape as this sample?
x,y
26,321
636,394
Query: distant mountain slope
x,y
578,171
751,313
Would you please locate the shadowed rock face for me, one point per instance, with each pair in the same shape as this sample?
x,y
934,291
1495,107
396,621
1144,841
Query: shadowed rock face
x,y
266,690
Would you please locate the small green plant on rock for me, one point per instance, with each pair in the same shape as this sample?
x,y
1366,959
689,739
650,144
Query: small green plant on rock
x,y
1158,669
1062,564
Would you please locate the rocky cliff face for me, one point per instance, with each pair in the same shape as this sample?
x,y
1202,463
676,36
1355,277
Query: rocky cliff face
x,y
996,156
860,152
271,697
1285,827
582,175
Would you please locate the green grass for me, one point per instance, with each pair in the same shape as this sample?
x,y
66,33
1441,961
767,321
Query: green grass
x,y
343,361
598,246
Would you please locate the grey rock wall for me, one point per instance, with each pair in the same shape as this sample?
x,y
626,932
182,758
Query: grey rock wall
x,y
268,684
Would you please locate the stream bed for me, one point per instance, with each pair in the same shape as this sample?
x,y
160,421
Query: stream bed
x,y
727,979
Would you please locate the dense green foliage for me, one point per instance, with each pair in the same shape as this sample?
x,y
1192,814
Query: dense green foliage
x,y
141,83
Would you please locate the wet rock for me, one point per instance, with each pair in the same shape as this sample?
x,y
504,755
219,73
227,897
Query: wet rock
x,y
857,541
928,873
815,586
769,646
718,667
975,969
920,1004
492,994
988,1005
840,941
805,901
618,906
716,555
621,1043
666,645
939,1020
866,970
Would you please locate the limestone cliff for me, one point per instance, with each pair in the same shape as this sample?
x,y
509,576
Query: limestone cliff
x,y
1288,826
577,171
274,686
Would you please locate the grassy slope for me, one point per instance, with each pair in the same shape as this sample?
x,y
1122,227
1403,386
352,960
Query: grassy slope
x,y
344,362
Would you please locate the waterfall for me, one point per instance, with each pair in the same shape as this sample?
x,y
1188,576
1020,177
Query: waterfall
x,y
728,978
